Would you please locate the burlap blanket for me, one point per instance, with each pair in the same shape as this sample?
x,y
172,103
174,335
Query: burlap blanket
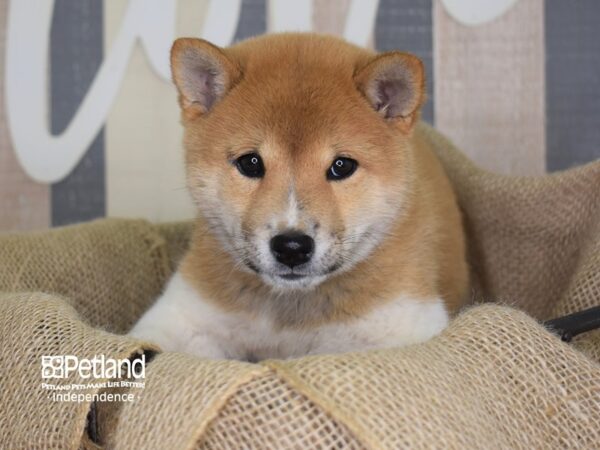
x,y
494,379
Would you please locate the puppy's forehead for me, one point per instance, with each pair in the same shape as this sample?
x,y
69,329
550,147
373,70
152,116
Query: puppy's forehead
x,y
301,92
291,78
298,55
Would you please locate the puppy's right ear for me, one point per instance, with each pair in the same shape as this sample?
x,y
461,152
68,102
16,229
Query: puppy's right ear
x,y
202,73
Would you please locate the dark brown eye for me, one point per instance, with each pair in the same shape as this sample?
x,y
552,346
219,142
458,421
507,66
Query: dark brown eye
x,y
251,165
341,168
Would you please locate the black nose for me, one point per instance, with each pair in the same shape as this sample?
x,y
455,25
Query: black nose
x,y
292,248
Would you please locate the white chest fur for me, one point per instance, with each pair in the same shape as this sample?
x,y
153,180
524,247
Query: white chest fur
x,y
182,321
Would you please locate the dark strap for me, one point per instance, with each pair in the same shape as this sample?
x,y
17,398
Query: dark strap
x,y
567,327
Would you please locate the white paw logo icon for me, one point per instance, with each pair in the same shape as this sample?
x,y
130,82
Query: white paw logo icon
x,y
53,366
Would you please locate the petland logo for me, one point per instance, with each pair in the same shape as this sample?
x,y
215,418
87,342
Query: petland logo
x,y
100,367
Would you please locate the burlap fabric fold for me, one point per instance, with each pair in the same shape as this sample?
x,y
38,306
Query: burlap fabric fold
x,y
494,379
110,270
36,325
533,242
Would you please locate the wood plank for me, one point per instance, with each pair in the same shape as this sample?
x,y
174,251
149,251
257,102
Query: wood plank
x,y
572,82
489,88
24,204
329,16
253,19
76,48
144,153
407,25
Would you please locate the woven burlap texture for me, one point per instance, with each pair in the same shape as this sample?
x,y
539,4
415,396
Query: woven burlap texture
x,y
31,326
494,379
110,270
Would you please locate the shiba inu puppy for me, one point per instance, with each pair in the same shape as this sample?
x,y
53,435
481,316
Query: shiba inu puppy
x,y
325,222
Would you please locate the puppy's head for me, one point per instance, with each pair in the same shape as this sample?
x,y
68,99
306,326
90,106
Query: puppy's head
x,y
297,149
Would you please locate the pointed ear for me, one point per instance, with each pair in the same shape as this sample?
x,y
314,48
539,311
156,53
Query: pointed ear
x,y
394,84
202,73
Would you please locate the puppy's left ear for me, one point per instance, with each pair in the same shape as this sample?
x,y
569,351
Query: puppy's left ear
x,y
394,84
203,74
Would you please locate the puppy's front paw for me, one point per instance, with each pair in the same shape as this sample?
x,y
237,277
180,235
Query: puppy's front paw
x,y
201,345
160,337
205,346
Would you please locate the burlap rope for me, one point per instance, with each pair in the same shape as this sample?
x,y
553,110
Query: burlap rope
x,y
495,378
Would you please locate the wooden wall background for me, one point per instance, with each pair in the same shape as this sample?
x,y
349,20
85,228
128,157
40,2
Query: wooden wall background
x,y
520,94
24,204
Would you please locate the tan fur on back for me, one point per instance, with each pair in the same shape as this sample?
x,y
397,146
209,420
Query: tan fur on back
x,y
296,97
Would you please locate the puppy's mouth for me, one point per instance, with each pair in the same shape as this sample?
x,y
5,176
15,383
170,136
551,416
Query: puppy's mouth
x,y
288,276
292,276
302,277
292,279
